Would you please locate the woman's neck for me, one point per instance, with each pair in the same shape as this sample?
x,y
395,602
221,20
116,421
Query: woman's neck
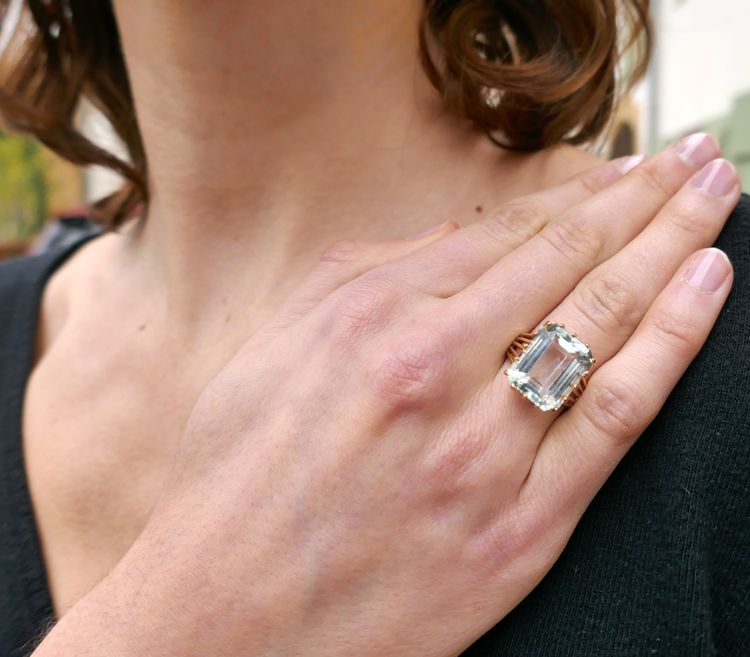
x,y
274,128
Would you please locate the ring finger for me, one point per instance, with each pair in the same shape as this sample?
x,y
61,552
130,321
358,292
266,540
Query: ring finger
x,y
607,305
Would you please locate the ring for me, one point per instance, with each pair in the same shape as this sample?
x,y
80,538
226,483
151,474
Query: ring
x,y
549,367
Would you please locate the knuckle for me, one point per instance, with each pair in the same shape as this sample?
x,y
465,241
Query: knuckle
x,y
452,457
410,373
608,301
594,180
652,175
516,222
573,238
675,332
689,219
342,252
364,306
615,410
502,540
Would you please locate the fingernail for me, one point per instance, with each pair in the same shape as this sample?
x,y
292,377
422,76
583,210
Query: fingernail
x,y
708,270
628,163
718,178
430,231
697,149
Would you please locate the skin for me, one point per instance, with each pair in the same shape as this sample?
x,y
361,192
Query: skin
x,y
239,217
327,425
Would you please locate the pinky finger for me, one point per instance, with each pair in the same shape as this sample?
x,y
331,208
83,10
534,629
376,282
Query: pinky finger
x,y
626,393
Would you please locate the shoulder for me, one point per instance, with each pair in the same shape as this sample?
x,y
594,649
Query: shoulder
x,y
725,358
727,351
697,456
26,280
708,409
19,271
21,280
56,243
735,237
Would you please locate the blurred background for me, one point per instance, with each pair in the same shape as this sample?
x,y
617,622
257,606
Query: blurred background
x,y
699,80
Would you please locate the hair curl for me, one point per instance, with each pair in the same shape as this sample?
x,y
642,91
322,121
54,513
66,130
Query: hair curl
x,y
531,73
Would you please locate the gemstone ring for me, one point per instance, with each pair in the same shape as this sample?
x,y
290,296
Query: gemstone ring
x,y
549,367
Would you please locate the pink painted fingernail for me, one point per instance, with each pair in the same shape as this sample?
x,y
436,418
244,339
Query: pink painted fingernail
x,y
698,149
708,271
718,178
628,163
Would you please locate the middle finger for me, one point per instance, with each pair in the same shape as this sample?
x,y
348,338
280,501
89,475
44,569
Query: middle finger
x,y
517,292
608,304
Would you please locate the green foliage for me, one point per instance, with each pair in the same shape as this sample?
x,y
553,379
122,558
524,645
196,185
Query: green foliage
x,y
23,187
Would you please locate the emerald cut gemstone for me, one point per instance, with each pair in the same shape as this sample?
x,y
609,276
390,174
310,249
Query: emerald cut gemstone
x,y
550,366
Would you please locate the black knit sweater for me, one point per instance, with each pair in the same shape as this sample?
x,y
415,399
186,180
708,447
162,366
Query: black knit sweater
x,y
659,564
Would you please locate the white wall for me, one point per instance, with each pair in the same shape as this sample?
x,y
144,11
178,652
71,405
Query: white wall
x,y
704,60
99,181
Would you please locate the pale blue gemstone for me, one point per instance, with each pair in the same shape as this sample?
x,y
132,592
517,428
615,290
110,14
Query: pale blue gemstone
x,y
550,367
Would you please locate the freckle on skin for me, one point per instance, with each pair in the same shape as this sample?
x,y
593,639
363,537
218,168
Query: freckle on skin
x,y
141,328
478,209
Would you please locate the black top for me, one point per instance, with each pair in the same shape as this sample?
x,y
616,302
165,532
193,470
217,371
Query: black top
x,y
658,565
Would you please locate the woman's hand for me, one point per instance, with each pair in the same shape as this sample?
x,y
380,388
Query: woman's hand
x,y
361,479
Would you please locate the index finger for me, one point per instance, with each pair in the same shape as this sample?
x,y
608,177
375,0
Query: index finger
x,y
452,263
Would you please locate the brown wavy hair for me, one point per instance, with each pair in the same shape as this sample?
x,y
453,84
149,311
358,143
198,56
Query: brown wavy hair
x,y
531,73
